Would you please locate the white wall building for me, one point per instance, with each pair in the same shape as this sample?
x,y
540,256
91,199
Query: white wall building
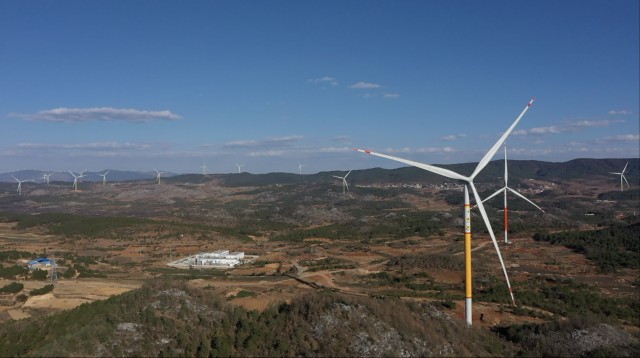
x,y
218,258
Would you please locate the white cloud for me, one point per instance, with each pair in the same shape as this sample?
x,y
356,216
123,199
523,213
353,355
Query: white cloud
x,y
604,123
267,153
453,137
97,114
619,138
436,150
264,143
545,130
574,126
342,139
326,79
88,146
364,85
332,150
390,95
620,112
407,150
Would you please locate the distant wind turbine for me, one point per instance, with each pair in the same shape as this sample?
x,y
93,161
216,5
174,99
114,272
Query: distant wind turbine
x,y
622,177
453,175
300,168
239,167
345,186
204,168
19,191
104,177
158,176
75,179
45,177
505,189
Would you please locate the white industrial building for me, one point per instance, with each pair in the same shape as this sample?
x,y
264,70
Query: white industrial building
x,y
217,258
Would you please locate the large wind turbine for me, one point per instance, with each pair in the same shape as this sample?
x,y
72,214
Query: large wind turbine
x,y
104,177
505,189
344,182
453,175
622,177
300,165
19,191
239,167
204,168
75,179
158,176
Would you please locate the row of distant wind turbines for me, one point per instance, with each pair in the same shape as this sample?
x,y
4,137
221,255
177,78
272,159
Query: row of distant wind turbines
x,y
345,186
45,178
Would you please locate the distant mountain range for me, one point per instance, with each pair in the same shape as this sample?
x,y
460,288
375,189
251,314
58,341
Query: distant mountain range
x,y
518,170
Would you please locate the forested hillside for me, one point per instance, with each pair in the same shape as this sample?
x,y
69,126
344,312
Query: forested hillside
x,y
169,318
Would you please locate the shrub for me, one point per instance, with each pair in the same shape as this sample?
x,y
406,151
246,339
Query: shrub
x,y
42,291
13,287
39,274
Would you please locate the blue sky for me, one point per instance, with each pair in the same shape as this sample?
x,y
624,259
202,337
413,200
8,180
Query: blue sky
x,y
138,85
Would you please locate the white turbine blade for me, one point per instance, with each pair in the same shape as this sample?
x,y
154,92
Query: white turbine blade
x,y
487,157
614,173
444,172
494,194
625,168
625,180
16,179
493,237
335,176
523,197
347,174
345,184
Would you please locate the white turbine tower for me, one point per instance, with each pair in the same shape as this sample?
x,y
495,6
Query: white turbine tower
x,y
453,175
239,167
345,186
622,177
158,176
75,179
300,165
19,190
204,168
104,177
505,189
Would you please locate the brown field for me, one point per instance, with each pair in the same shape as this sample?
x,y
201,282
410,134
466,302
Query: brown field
x,y
282,274
524,256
